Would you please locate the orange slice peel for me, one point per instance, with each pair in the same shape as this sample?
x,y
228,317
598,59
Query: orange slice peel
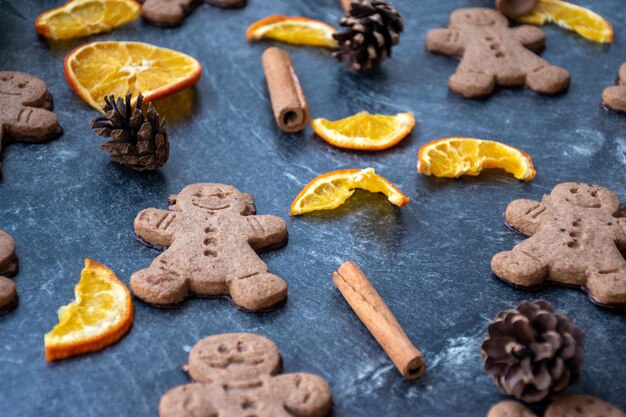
x,y
365,131
293,30
331,190
99,69
585,22
456,156
101,314
80,18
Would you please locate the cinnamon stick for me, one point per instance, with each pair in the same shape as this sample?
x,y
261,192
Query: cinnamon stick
x,y
379,320
288,102
347,5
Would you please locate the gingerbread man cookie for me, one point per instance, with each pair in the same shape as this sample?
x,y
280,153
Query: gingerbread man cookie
x,y
567,406
575,237
236,376
212,238
492,54
614,97
173,12
26,114
8,268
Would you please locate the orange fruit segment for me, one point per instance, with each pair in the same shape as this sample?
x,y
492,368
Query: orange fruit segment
x,y
86,17
454,157
293,30
99,69
330,190
100,315
583,21
365,131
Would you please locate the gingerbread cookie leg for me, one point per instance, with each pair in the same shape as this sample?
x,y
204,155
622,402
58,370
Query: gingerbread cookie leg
x,y
614,97
8,268
159,287
470,83
259,291
548,79
186,400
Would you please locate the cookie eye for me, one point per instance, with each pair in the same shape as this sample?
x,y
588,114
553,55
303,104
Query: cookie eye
x,y
222,349
594,193
573,190
198,194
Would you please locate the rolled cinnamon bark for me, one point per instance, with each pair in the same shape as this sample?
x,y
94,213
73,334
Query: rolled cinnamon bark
x,y
515,8
379,320
346,4
288,102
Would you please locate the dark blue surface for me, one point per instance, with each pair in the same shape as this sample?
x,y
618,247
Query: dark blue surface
x,y
64,201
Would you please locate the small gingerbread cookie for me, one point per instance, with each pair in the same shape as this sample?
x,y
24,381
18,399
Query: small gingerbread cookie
x,y
575,237
492,54
510,409
170,13
614,97
212,238
8,268
26,114
236,375
582,405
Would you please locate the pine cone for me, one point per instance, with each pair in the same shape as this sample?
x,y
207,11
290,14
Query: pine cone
x,y
374,27
138,141
533,352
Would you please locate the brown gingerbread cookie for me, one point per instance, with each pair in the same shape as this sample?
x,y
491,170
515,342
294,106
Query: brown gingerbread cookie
x,y
582,405
575,237
614,97
515,8
26,114
236,375
492,54
8,268
567,406
173,12
212,238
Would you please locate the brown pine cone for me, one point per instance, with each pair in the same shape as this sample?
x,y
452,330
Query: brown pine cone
x,y
533,352
138,141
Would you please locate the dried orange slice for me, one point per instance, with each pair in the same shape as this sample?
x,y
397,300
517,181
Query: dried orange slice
x,y
583,21
99,69
293,30
330,190
100,315
86,17
454,157
365,131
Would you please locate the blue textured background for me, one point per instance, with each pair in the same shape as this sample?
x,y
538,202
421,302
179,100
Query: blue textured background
x,y
64,201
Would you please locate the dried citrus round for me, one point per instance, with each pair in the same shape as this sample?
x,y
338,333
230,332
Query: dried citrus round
x,y
583,21
365,131
86,17
293,30
330,190
100,315
454,157
100,69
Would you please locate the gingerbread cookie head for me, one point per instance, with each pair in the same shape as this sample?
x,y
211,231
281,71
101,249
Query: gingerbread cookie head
x,y
210,236
8,268
173,12
236,375
492,54
576,234
214,198
510,409
476,18
582,405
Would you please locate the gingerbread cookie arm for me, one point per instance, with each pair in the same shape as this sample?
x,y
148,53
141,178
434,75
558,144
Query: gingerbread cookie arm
x,y
621,80
524,216
187,401
306,395
156,227
448,42
531,37
267,232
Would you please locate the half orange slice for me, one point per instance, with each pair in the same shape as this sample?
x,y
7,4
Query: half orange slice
x,y
293,30
100,69
86,17
365,131
585,22
454,157
330,190
101,314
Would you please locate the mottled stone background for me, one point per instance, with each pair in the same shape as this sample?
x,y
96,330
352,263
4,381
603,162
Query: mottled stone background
x,y
64,201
